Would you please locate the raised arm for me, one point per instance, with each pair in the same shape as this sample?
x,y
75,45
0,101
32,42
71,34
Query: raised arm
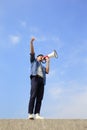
x,y
31,46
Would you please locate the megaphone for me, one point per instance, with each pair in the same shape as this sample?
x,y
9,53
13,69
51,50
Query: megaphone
x,y
51,55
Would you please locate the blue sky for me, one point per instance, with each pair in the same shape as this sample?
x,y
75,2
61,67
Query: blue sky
x,y
56,24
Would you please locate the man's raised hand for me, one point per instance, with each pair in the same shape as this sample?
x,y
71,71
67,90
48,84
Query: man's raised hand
x,y
32,39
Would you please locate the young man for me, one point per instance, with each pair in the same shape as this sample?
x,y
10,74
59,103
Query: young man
x,y
38,79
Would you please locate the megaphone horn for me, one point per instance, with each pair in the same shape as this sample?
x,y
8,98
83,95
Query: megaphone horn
x,y
53,54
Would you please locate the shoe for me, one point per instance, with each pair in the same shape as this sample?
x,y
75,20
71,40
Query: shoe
x,y
37,116
31,117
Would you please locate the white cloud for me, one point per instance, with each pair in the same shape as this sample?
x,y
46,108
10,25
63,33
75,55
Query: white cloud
x,y
39,38
14,39
55,92
23,24
76,55
34,30
69,99
76,107
42,37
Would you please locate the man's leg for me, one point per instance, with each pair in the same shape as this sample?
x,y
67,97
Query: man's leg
x,y
33,94
39,97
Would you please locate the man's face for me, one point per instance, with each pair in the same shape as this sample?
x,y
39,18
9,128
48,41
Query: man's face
x,y
40,58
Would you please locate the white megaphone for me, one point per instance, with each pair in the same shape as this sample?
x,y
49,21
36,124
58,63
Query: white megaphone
x,y
53,54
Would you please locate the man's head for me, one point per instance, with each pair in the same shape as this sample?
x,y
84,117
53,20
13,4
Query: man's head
x,y
40,57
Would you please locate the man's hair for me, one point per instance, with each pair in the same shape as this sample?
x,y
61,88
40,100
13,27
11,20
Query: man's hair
x,y
40,55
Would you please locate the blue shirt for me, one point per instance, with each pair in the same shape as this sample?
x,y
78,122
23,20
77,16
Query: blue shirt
x,y
34,67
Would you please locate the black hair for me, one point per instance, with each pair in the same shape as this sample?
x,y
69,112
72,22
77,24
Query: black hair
x,y
40,55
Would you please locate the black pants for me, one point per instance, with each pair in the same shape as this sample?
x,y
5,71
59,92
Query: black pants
x,y
36,95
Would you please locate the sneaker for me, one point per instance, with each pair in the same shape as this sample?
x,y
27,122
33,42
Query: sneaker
x,y
31,117
38,116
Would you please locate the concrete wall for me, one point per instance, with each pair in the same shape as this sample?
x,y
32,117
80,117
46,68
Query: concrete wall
x,y
47,124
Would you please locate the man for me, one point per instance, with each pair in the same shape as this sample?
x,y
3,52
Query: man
x,y
38,80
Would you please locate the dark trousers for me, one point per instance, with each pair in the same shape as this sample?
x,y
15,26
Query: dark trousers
x,y
36,95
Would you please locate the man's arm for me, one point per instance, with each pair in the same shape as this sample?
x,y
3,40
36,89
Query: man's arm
x,y
47,65
31,46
